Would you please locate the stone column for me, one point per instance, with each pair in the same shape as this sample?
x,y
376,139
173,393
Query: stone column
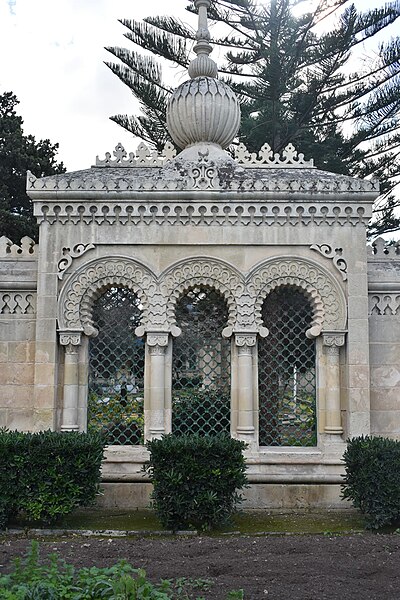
x,y
333,420
245,344
71,342
157,344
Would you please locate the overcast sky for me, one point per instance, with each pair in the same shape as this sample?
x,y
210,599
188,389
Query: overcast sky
x,y
52,54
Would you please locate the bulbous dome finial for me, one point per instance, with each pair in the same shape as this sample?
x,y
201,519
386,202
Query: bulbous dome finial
x,y
203,110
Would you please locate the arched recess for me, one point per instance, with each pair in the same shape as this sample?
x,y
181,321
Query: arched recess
x,y
324,292
203,272
89,282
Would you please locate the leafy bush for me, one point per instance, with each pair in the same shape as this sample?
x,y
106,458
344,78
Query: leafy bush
x,y
46,475
196,479
32,580
372,479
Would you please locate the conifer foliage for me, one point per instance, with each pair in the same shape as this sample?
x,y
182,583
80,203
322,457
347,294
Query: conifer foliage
x,y
327,80
18,154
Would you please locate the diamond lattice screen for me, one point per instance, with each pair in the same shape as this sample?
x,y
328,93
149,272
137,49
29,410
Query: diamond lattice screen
x,y
287,415
201,365
116,368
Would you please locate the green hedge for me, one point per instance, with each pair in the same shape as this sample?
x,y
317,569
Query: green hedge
x,y
46,475
372,479
195,479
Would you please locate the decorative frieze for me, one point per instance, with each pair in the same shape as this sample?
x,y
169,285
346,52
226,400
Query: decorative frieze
x,y
384,304
27,249
335,254
268,212
68,255
17,303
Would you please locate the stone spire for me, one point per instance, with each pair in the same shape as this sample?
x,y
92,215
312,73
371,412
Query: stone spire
x,y
203,114
203,65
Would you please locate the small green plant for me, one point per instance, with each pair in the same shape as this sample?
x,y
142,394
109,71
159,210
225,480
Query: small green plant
x,y
33,580
196,479
372,479
46,475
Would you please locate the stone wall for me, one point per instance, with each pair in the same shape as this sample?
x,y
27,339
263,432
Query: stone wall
x,y
384,345
18,274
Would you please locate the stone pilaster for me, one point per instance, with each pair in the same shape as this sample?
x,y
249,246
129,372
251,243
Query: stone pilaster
x,y
332,343
157,345
71,342
246,343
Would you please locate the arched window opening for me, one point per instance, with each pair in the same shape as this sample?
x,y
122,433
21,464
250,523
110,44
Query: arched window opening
x,y
116,368
287,384
201,365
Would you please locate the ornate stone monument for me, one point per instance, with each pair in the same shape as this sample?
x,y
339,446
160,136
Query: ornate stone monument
x,y
204,292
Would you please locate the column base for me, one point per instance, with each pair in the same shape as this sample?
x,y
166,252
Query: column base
x,y
69,428
333,430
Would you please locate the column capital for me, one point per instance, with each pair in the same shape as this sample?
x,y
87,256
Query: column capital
x,y
334,339
245,339
157,338
70,338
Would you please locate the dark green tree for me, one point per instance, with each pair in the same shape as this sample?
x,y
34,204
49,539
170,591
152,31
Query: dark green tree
x,y
298,79
19,153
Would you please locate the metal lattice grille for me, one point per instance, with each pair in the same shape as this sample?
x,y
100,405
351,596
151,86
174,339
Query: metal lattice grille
x,y
116,368
201,365
287,385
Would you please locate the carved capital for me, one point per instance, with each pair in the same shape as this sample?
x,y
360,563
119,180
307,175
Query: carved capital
x,y
157,350
157,339
333,340
245,340
70,338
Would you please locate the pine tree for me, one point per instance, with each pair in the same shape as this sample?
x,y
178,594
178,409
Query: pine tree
x,y
19,153
298,80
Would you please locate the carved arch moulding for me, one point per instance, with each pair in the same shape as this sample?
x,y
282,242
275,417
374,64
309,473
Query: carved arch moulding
x,y
209,272
83,287
324,292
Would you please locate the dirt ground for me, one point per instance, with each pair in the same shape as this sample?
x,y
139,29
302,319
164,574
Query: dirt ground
x,y
307,567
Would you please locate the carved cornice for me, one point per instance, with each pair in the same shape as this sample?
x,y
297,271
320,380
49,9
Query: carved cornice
x,y
335,255
259,212
68,255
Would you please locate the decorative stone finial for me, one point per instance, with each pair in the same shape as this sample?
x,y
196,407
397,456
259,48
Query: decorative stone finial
x,y
202,65
203,113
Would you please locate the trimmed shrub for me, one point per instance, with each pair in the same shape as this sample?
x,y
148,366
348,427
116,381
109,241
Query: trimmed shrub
x,y
46,475
196,479
372,479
